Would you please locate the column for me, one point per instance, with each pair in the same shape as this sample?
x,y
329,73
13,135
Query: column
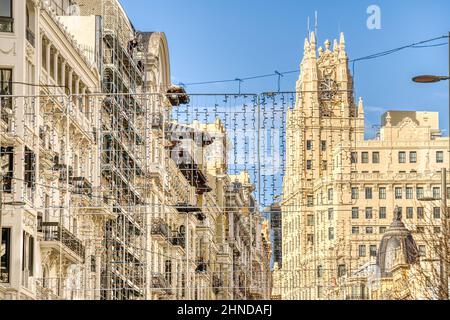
x,y
55,66
47,65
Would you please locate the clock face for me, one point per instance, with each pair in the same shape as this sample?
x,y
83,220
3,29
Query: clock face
x,y
328,89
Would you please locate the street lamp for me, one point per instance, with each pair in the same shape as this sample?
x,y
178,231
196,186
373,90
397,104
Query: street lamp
x,y
444,270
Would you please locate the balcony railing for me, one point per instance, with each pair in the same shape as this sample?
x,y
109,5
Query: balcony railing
x,y
178,239
159,282
81,186
53,231
31,37
160,228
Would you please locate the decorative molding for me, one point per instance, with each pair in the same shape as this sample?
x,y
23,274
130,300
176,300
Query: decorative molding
x,y
8,51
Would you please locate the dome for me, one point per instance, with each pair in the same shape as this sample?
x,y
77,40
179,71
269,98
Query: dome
x,y
397,247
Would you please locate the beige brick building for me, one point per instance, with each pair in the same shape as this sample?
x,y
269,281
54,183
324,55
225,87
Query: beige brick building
x,y
340,190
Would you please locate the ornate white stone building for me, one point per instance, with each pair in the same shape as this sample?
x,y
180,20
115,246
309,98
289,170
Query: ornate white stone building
x,y
340,190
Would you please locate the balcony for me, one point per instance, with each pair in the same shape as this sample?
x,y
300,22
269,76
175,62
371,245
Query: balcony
x,y
156,172
61,240
178,240
81,186
160,231
160,284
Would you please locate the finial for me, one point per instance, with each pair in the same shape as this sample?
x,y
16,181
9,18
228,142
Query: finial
x,y
312,39
320,51
335,45
306,46
342,40
361,106
388,119
327,45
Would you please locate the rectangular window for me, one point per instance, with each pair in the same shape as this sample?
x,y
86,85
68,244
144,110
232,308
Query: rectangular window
x,y
5,90
310,220
324,165
355,230
420,193
420,230
437,230
398,193
373,251
355,193
308,164
375,157
413,157
369,194
382,213
369,213
5,253
309,145
402,157
323,146
365,157
330,194
422,250
369,230
409,213
310,201
310,239
355,213
6,16
420,214
409,193
436,192
440,157
382,193
330,214
362,251
342,270
354,157
437,213
330,233
383,230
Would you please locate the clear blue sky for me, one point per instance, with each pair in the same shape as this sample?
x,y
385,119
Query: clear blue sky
x,y
226,39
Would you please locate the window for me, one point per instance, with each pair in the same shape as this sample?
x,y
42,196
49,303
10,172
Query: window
x,y
369,230
310,239
355,230
365,157
413,157
369,194
409,213
319,292
398,193
330,194
6,16
355,193
382,193
373,251
330,214
440,157
324,165
342,270
323,146
308,164
375,157
6,89
309,145
437,230
422,251
437,213
27,254
310,201
5,256
383,230
409,193
420,230
436,192
382,213
362,251
402,157
420,193
354,157
369,213
319,272
355,213
420,214
331,233
310,220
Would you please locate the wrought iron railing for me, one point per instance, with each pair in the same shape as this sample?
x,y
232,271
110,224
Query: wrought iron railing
x,y
53,231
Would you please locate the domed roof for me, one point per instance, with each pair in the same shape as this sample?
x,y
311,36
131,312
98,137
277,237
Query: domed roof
x,y
397,246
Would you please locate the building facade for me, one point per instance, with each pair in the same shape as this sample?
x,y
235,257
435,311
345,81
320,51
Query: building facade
x,y
340,190
103,196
